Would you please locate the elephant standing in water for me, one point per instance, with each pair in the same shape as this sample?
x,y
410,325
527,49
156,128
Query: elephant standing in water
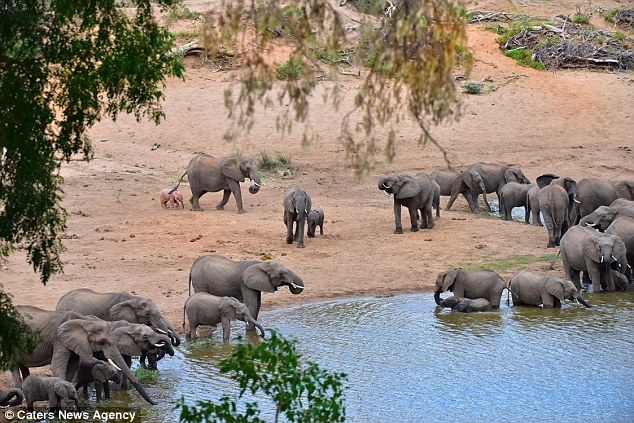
x,y
514,194
244,280
206,309
471,284
466,305
209,174
593,193
297,205
556,200
51,389
531,288
586,250
414,192
99,373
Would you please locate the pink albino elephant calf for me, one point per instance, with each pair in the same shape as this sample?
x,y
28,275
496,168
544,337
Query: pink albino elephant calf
x,y
173,197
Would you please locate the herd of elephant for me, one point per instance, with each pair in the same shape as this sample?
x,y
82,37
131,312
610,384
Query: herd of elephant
x,y
90,337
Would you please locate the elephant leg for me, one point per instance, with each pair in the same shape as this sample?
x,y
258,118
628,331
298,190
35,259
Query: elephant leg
x,y
98,390
300,233
192,330
237,194
548,222
413,217
252,299
106,389
430,217
557,234
289,228
397,221
472,199
595,274
454,194
226,193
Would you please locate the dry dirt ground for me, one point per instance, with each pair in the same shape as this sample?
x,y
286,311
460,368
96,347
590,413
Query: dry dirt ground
x,y
574,123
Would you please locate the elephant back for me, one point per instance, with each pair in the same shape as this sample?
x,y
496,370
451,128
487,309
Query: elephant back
x,y
218,275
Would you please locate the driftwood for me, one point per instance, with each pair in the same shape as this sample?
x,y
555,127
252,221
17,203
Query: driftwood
x,y
624,18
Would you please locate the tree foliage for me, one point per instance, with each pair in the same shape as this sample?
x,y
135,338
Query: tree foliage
x,y
412,49
301,391
64,64
16,338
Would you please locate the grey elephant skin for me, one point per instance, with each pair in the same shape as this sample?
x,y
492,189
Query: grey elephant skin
x,y
494,178
210,174
315,219
435,202
593,193
297,205
530,288
98,373
470,184
470,284
244,280
466,305
51,389
415,193
112,306
514,194
444,179
623,227
587,250
206,309
532,199
556,202
11,397
603,216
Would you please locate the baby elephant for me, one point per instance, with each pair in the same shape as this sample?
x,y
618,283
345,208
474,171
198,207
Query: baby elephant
x,y
171,196
99,372
466,305
315,218
53,389
207,309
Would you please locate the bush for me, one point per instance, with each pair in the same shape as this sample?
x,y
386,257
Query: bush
x,y
525,58
269,164
472,87
289,71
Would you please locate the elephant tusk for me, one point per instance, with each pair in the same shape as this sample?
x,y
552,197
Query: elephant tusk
x,y
385,186
256,184
601,259
160,344
614,258
387,193
592,225
161,330
114,365
296,286
576,201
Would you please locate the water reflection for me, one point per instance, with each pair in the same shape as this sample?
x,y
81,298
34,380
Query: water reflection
x,y
409,360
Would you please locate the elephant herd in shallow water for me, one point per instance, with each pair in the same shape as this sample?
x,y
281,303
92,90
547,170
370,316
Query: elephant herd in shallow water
x,y
91,336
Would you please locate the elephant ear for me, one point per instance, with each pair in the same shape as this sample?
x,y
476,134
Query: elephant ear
x,y
255,277
624,189
228,308
125,342
61,388
73,335
510,175
124,311
288,200
546,179
555,287
449,278
571,186
590,248
230,168
408,188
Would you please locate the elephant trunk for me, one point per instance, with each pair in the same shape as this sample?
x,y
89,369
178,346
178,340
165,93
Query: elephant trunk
x,y
163,327
582,301
437,297
11,398
484,196
296,285
116,357
257,325
255,181
76,400
586,221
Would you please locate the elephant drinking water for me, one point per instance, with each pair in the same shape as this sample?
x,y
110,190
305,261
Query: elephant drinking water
x,y
531,288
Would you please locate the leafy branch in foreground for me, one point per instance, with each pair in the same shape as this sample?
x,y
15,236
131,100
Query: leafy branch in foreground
x,y
16,338
301,391
63,66
410,74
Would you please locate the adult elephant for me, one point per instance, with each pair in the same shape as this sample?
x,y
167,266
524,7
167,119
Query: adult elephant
x,y
556,200
414,192
587,250
209,174
469,183
531,288
593,193
623,227
603,216
444,179
532,199
112,306
11,397
64,338
297,205
514,194
471,284
244,280
494,178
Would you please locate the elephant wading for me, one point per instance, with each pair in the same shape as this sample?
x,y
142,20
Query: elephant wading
x,y
112,306
206,309
209,174
51,389
514,194
531,288
415,193
98,372
244,280
556,200
297,205
466,305
471,284
587,250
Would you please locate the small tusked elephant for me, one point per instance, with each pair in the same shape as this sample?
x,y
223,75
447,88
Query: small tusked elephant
x,y
466,305
414,192
99,373
206,309
315,219
470,284
531,288
51,389
297,207
209,174
244,280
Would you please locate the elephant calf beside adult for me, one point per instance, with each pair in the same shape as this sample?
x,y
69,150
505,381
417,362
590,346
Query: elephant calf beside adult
x,y
209,174
531,288
244,280
470,284
414,192
297,205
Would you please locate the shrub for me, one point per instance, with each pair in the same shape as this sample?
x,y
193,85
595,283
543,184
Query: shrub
x,y
289,71
269,164
524,58
470,87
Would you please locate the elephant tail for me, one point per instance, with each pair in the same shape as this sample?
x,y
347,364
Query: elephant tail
x,y
552,265
179,182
